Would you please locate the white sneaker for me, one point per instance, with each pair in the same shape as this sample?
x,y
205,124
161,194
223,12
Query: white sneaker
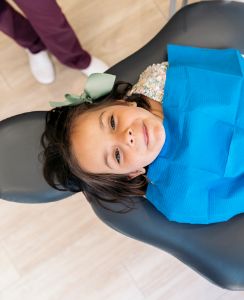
x,y
41,66
96,66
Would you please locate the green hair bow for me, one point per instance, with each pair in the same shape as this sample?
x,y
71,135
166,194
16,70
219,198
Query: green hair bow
x,y
97,85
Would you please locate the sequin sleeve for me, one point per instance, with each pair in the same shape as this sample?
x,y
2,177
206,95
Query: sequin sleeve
x,y
151,82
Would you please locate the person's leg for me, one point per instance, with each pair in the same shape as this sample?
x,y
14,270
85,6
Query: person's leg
x,y
19,28
54,30
21,31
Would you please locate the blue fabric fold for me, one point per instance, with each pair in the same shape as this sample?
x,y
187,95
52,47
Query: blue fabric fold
x,y
198,176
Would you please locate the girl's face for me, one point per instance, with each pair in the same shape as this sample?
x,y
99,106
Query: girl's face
x,y
118,139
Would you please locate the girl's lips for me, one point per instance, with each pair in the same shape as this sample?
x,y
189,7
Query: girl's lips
x,y
145,133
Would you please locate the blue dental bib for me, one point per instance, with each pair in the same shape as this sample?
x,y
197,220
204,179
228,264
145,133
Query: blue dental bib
x,y
198,176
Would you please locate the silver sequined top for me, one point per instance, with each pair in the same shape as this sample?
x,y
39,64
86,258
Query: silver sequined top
x,y
151,82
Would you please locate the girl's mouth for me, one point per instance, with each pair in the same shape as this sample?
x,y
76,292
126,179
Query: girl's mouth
x,y
145,133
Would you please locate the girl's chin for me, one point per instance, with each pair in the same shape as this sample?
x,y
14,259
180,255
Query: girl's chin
x,y
159,138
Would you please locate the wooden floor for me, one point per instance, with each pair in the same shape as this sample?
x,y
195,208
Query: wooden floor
x,y
61,251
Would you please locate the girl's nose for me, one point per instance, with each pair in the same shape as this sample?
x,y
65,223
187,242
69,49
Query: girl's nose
x,y
124,138
129,137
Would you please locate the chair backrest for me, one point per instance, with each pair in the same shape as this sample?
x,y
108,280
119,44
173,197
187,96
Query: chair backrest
x,y
21,178
214,251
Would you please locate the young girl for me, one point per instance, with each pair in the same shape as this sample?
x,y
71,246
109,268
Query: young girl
x,y
194,144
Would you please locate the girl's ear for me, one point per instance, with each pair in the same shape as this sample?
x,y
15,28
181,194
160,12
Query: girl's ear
x,y
134,104
137,173
128,103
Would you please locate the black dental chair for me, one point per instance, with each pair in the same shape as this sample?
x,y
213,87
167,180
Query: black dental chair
x,y
214,251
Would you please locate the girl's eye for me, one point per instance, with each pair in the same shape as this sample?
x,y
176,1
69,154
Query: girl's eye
x,y
112,122
117,156
117,153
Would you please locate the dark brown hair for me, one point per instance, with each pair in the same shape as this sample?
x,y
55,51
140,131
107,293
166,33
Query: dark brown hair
x,y
60,167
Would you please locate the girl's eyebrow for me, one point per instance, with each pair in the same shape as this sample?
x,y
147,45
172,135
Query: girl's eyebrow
x,y
105,157
101,121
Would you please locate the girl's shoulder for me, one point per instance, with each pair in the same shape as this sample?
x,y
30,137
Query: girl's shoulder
x,y
151,82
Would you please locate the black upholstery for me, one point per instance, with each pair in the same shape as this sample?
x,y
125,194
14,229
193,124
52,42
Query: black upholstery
x,y
215,251
21,177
